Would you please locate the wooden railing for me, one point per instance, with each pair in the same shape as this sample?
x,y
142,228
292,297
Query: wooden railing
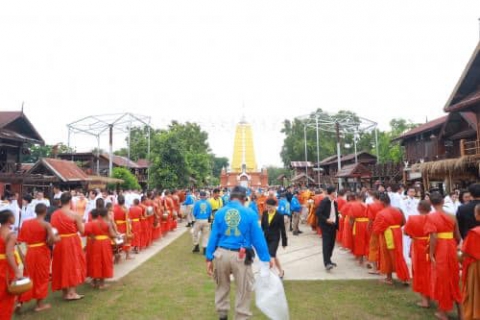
x,y
469,148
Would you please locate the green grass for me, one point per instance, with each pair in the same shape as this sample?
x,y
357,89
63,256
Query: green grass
x,y
173,285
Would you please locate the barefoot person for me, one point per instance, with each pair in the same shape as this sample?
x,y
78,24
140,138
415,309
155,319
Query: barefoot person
x,y
444,236
387,226
471,272
359,221
414,228
101,232
37,234
273,226
9,270
120,215
373,249
69,265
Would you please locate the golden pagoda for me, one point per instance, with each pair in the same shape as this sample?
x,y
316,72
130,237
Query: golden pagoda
x,y
244,166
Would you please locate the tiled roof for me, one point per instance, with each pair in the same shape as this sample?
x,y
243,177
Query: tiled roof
x,y
423,127
67,171
469,100
23,131
120,161
143,163
7,117
347,157
354,170
301,164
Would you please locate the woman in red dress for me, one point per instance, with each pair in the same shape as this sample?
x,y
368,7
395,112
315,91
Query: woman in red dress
x,y
69,265
8,266
445,277
101,232
37,235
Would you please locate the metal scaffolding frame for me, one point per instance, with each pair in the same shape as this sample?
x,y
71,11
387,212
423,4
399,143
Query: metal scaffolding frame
x,y
98,125
338,124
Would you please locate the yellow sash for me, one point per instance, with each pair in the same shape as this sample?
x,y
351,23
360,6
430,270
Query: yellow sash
x,y
445,235
68,235
120,221
36,245
136,220
102,237
15,253
388,234
421,238
355,223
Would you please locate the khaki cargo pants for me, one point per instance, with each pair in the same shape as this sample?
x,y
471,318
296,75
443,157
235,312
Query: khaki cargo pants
x,y
226,262
201,227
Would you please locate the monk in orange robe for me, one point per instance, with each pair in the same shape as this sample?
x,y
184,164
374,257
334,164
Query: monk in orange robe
x,y
374,247
261,203
312,217
9,270
387,226
135,214
444,236
419,251
68,265
147,226
471,272
101,232
341,206
347,236
123,224
359,221
170,207
37,234
81,205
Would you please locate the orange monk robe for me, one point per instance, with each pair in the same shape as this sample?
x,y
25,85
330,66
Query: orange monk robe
x,y
144,222
471,275
7,300
347,236
361,237
419,251
373,249
388,225
261,204
80,207
68,265
341,202
445,272
120,217
150,220
156,233
100,257
135,214
170,206
34,234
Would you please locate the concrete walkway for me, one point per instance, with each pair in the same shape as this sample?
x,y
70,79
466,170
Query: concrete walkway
x,y
125,267
302,260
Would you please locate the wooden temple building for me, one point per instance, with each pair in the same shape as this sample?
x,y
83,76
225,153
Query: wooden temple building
x,y
445,153
244,169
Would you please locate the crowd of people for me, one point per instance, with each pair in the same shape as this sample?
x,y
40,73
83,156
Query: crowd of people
x,y
72,238
76,236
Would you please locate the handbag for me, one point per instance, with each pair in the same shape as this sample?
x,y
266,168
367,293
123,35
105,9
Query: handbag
x,y
22,285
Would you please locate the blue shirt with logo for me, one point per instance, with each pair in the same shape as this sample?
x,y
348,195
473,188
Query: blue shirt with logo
x,y
188,200
284,207
202,209
295,205
235,227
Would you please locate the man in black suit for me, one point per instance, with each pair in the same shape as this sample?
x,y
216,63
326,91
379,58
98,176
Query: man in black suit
x,y
466,213
327,215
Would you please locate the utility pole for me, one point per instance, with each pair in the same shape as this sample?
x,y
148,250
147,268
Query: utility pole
x,y
339,161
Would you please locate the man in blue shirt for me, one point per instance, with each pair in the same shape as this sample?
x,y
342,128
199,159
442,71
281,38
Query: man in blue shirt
x,y
235,230
188,203
202,211
284,208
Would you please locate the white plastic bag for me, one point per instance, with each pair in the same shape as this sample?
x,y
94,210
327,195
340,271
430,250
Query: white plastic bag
x,y
269,294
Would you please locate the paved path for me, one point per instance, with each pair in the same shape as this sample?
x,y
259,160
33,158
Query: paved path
x,y
125,267
302,260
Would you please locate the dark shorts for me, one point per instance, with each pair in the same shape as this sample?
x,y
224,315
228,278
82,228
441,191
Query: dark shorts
x,y
272,248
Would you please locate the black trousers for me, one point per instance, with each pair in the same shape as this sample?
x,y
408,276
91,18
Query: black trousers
x,y
329,233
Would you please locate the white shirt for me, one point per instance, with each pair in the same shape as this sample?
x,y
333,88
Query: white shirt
x,y
332,217
410,207
44,201
28,213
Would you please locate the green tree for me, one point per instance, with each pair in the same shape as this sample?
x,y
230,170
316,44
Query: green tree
x,y
218,163
46,151
130,182
275,172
